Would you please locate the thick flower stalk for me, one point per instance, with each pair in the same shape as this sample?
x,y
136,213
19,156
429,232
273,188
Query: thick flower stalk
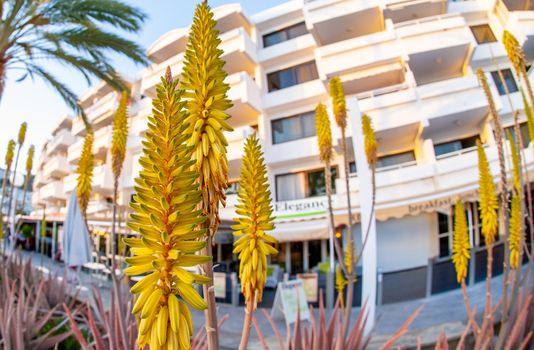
x,y
20,141
516,168
341,283
120,135
206,92
166,215
324,134
460,247
255,219
10,153
207,102
488,199
517,58
27,177
515,232
369,140
85,173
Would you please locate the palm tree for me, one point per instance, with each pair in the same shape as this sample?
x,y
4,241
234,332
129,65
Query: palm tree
x,y
76,33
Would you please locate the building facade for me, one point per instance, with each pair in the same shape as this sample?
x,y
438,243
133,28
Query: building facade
x,y
410,65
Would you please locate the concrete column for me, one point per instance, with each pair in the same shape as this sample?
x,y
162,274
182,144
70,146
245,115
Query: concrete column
x,y
368,219
305,256
288,257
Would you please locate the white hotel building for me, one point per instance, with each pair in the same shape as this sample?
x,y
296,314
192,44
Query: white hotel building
x,y
409,64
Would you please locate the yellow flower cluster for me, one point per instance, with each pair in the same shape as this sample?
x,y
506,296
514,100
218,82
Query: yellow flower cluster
x,y
516,167
165,215
338,102
206,92
85,173
369,140
120,135
255,219
341,282
10,153
22,133
460,247
324,134
514,51
29,160
488,199
515,232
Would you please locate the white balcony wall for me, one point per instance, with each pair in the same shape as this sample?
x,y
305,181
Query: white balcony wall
x,y
57,167
53,191
60,142
102,179
70,182
310,92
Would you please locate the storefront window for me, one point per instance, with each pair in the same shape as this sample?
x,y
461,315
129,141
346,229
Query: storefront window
x,y
292,76
303,184
293,128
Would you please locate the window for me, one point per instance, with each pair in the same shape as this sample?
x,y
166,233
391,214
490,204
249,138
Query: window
x,y
483,34
523,128
284,34
445,231
293,128
395,159
456,145
292,76
303,184
508,78
353,169
233,187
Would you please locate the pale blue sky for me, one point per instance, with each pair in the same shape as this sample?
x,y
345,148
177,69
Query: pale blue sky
x,y
35,103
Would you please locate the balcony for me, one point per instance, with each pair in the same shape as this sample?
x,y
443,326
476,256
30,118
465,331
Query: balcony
x,y
519,5
53,192
308,93
65,122
60,142
246,100
74,152
486,55
101,112
236,143
521,25
365,63
98,208
438,47
336,20
78,127
102,142
407,10
38,180
286,51
239,52
168,45
102,179
36,199
69,183
56,167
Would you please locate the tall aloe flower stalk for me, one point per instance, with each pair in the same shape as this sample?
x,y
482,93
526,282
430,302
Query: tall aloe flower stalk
x,y
85,173
118,153
255,219
20,142
10,154
460,247
337,95
29,168
166,215
488,212
518,60
516,222
206,92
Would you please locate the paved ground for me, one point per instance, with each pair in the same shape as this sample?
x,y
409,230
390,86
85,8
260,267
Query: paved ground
x,y
445,311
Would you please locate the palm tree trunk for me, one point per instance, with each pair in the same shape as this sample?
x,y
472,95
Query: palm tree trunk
x,y
10,197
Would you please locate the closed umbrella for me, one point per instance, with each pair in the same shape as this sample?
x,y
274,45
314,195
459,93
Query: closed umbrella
x,y
75,244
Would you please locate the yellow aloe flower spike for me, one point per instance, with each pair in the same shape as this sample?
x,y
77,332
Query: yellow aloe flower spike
x,y
338,101
460,247
515,232
255,219
513,50
341,282
530,117
22,133
165,215
85,173
10,153
29,160
120,135
516,168
324,134
206,92
370,139
488,199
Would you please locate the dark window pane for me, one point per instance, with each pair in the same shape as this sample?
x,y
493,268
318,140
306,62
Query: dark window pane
x,y
292,76
284,34
317,184
352,168
483,34
525,136
456,145
293,128
395,159
508,78
443,222
443,246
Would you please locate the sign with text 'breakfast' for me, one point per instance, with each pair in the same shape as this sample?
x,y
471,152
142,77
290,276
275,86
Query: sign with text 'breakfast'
x,y
290,297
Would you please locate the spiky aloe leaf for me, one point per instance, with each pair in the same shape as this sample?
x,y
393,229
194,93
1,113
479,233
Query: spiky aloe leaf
x,y
85,173
255,219
324,134
120,135
369,139
206,91
165,214
338,101
460,246
488,199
